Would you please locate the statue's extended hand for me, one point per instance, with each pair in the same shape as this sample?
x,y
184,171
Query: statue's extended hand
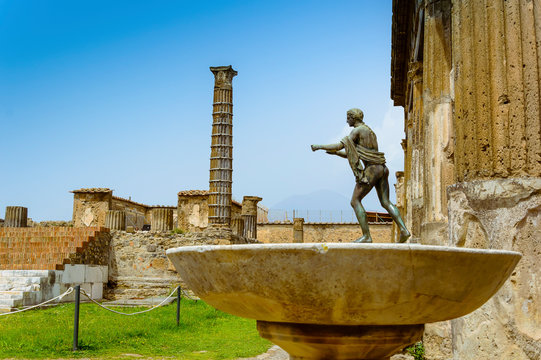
x,y
315,147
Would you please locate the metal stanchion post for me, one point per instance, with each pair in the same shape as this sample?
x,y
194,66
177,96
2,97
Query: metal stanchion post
x,y
178,305
76,318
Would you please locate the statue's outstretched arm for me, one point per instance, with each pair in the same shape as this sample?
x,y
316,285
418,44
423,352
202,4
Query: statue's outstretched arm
x,y
330,147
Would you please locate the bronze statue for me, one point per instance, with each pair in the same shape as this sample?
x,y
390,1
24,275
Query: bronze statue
x,y
362,144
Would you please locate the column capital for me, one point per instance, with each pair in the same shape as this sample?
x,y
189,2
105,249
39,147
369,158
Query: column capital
x,y
249,205
223,76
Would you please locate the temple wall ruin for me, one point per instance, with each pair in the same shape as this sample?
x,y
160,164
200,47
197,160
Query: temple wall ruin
x,y
322,232
473,155
193,210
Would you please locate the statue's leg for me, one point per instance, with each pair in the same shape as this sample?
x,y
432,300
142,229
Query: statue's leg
x,y
359,193
382,187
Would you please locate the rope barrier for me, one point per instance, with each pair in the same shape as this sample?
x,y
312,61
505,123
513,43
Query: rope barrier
x,y
187,295
69,291
129,314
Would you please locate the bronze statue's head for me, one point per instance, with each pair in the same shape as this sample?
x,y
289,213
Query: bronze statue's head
x,y
354,115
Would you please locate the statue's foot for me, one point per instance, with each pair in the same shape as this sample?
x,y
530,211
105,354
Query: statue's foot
x,y
364,239
404,235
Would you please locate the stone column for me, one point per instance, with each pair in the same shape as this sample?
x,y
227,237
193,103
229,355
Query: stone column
x,y
249,215
115,220
496,201
298,230
400,200
162,219
496,54
237,226
221,156
437,136
16,216
415,152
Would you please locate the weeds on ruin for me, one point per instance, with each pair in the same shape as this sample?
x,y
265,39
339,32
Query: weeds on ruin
x,y
204,333
417,350
177,231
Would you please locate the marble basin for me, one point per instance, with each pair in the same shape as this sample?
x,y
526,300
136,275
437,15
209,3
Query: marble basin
x,y
299,291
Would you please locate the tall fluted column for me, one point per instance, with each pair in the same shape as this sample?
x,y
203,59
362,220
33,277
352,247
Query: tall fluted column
x,y
221,156
115,220
496,55
415,150
249,215
16,216
162,219
437,118
237,226
495,202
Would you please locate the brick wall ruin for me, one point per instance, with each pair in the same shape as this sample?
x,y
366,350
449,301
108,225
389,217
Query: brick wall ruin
x,y
53,247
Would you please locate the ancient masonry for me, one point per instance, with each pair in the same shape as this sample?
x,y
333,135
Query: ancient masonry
x,y
16,216
468,74
249,216
221,157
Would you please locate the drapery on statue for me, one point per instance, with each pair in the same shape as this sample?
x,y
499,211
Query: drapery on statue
x,y
362,144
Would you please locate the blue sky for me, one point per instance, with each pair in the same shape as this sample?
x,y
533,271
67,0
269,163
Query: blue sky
x,y
118,94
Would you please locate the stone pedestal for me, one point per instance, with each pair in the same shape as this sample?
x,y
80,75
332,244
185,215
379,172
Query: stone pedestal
x,y
115,220
162,219
298,231
16,216
311,341
249,215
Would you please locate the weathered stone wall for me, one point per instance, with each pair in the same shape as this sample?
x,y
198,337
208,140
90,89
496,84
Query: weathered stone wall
x,y
321,232
90,206
138,266
137,214
193,210
500,214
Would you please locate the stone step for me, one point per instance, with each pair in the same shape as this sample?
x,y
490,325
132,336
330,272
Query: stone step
x,y
141,288
26,273
5,309
10,287
11,303
23,280
11,294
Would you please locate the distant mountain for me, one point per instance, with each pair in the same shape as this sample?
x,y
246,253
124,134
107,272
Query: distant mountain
x,y
322,205
318,206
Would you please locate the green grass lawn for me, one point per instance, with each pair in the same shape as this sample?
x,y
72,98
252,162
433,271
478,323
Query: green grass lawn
x,y
204,333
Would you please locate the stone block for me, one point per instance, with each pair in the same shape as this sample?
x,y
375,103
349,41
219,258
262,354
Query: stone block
x,y
97,291
104,270
73,274
93,274
86,287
